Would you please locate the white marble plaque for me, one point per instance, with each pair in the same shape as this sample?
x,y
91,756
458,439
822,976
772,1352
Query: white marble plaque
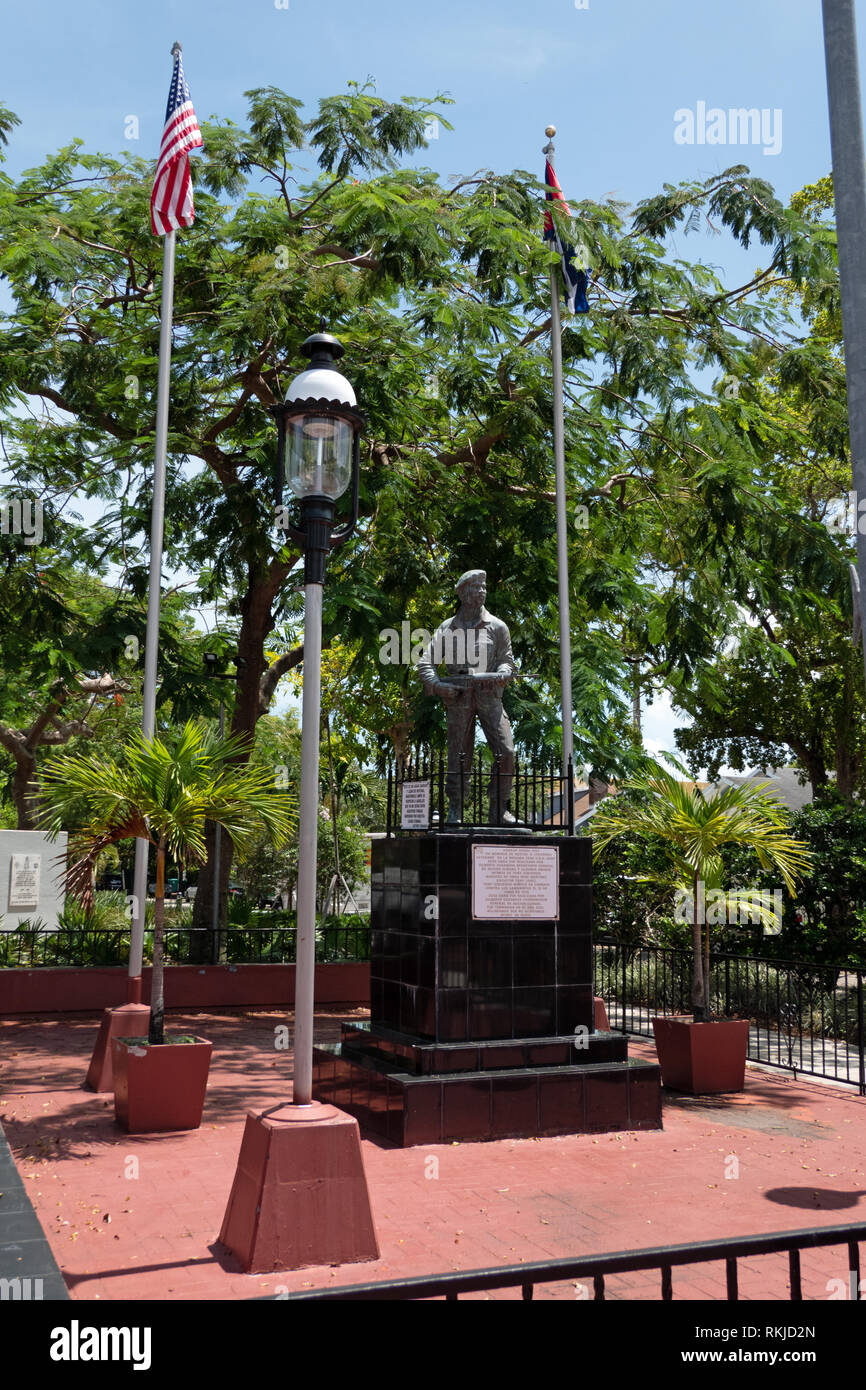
x,y
24,872
515,883
415,806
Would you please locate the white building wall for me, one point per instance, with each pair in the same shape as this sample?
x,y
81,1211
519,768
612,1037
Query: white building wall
x,y
50,878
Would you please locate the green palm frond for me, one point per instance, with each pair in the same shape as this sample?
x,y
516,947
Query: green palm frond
x,y
694,827
165,789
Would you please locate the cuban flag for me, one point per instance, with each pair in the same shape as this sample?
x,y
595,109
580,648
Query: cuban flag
x,y
171,202
576,277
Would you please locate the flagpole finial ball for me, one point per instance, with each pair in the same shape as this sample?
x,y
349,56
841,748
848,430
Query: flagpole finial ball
x,y
550,130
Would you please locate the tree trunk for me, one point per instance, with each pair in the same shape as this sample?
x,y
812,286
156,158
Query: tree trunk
x,y
812,758
156,1032
400,734
256,623
846,770
204,948
816,768
25,790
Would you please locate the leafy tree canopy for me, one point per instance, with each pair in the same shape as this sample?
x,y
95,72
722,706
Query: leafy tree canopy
x,y
440,295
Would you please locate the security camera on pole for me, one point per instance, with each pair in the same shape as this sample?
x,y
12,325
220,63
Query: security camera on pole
x,y
300,1195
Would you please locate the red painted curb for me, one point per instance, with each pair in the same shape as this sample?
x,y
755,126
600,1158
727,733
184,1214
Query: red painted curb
x,y
84,989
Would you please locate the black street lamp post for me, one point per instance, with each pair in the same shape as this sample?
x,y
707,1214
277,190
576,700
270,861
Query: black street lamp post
x,y
318,457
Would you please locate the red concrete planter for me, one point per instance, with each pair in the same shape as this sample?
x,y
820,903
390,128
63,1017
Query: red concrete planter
x,y
702,1058
159,1088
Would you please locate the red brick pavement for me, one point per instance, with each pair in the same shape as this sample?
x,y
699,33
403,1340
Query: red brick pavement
x,y
136,1217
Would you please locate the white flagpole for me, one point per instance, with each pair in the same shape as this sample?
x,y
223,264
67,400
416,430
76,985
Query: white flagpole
x,y
151,648
849,197
561,521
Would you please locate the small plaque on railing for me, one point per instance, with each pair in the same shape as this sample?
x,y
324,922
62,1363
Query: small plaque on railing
x,y
415,806
515,883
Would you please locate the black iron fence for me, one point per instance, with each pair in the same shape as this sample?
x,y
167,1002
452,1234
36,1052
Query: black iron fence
x,y
804,1017
597,1268
423,794
26,947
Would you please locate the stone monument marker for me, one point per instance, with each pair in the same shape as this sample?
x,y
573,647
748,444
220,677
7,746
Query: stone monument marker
x,y
482,1019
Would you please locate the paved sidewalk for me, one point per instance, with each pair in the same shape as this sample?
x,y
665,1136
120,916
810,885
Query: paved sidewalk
x,y
137,1217
28,1269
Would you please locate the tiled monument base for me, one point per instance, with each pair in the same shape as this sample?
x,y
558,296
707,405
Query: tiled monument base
x,y
482,1027
489,1104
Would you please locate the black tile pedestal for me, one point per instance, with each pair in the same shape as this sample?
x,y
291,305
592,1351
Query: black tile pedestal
x,y
481,1029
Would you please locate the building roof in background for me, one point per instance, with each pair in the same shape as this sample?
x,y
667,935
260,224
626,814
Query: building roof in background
x,y
781,782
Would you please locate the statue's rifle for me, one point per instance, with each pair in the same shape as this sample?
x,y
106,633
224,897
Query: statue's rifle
x,y
473,679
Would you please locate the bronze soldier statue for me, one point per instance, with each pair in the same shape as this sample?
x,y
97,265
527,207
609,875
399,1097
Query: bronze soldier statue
x,y
475,649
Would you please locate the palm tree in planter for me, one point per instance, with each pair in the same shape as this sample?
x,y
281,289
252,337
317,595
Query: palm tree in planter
x,y
698,1054
162,790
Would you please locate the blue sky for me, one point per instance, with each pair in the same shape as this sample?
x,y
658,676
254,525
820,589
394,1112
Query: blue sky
x,y
610,74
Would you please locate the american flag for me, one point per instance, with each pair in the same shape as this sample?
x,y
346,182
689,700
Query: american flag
x,y
171,203
576,278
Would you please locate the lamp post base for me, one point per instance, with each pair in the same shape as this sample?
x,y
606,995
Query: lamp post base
x,y
299,1195
126,1021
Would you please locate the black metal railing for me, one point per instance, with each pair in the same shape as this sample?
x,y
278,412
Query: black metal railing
x,y
28,947
539,795
803,1017
598,1268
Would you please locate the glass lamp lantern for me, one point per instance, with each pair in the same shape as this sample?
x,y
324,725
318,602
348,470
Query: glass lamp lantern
x,y
318,452
319,455
319,426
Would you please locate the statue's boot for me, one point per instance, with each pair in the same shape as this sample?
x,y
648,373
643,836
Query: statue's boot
x,y
455,813
504,818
